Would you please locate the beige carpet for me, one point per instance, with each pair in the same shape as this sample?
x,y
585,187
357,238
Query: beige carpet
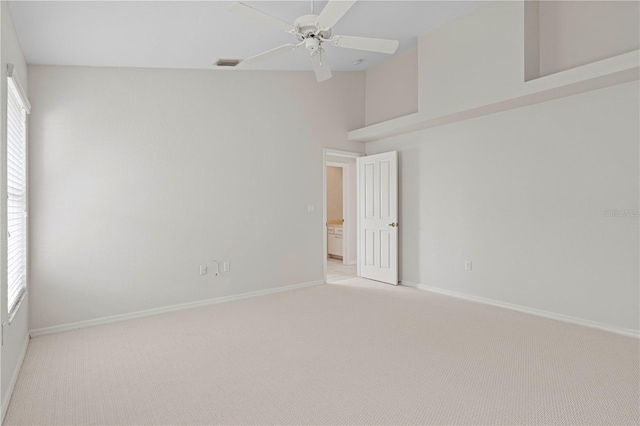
x,y
349,353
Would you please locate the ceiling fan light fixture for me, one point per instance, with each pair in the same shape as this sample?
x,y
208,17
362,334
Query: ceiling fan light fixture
x,y
312,44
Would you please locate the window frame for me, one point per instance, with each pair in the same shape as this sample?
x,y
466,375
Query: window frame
x,y
15,91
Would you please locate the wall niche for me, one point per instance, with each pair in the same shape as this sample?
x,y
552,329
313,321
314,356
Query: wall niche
x,y
561,35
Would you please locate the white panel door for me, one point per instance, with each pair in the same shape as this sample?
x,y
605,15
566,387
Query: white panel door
x,y
378,217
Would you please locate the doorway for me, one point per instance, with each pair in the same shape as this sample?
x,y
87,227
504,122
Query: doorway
x,y
340,254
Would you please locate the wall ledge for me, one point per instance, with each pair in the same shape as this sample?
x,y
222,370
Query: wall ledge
x,y
597,75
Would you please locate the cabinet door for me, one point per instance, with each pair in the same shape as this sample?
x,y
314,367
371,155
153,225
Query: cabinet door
x,y
331,244
338,248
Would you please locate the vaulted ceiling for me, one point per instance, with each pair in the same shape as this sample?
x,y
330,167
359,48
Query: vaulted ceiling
x,y
194,34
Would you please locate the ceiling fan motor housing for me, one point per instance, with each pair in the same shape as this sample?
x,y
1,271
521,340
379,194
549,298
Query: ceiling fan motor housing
x,y
307,27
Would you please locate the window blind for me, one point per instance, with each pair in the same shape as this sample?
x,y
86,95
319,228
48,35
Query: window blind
x,y
16,196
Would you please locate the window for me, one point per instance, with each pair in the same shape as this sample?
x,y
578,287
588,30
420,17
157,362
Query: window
x,y
17,109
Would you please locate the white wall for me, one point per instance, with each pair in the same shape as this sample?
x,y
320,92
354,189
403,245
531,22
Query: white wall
x,y
392,88
140,175
478,59
523,194
334,193
474,60
15,333
574,33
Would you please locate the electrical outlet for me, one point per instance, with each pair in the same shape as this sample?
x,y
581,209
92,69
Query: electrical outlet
x,y
467,265
203,269
311,208
226,266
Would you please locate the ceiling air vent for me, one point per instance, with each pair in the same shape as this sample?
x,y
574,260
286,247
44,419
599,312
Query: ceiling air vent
x,y
227,62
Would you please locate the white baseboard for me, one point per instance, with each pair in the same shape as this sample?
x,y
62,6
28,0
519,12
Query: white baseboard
x,y
538,312
172,308
14,378
353,262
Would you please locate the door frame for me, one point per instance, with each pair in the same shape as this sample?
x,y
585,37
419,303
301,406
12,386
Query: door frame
x,y
345,241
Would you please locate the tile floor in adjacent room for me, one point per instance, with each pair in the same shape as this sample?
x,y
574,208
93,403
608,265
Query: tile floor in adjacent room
x,y
336,271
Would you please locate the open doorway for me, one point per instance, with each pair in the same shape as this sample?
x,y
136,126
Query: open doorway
x,y
340,254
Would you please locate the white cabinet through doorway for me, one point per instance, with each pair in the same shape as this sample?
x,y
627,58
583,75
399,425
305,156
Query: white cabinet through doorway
x,y
334,240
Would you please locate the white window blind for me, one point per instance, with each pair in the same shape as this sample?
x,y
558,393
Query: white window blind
x,y
17,107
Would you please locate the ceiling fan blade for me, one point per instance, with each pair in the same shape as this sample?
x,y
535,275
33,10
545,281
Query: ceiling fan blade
x,y
333,11
364,43
256,15
321,66
247,63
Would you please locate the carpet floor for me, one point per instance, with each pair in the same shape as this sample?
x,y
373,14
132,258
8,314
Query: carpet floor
x,y
351,353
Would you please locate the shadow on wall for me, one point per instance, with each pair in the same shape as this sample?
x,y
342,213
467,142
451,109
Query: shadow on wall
x,y
409,195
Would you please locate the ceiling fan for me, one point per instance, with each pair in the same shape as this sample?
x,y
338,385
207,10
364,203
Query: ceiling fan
x,y
312,31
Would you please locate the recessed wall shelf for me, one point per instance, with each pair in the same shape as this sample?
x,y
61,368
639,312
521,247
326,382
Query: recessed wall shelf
x,y
597,75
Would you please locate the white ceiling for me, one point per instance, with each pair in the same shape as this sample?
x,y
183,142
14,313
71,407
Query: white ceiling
x,y
194,34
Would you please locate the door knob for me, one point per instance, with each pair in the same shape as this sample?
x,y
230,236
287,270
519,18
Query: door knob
x,y
393,225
